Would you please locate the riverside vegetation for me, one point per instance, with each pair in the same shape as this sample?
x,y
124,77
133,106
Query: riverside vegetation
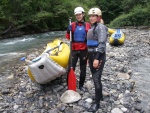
x,y
25,17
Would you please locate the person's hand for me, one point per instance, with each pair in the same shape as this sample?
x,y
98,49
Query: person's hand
x,y
97,63
70,27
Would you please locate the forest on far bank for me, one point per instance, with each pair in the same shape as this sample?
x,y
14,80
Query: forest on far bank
x,y
48,15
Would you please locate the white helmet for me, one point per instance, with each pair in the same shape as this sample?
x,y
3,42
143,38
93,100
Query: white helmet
x,y
95,11
78,10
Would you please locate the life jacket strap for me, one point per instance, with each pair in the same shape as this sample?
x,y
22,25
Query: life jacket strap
x,y
92,49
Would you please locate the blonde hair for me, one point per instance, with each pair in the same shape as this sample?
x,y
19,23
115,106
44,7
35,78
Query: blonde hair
x,y
101,21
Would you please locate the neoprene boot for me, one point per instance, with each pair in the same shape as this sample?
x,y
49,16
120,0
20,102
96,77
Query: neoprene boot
x,y
94,107
81,88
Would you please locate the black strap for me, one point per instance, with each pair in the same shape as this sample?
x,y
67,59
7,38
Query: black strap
x,y
95,25
83,23
54,48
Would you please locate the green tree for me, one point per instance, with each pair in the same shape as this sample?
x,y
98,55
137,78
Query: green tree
x,y
110,9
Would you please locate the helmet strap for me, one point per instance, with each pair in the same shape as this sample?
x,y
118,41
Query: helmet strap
x,y
84,18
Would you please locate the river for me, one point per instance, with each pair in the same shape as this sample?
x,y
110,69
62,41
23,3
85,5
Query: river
x,y
11,50
141,70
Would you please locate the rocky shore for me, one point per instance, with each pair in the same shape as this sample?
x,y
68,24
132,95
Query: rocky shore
x,y
21,95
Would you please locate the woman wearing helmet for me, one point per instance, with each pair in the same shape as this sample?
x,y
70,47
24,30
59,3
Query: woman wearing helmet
x,y
79,48
96,42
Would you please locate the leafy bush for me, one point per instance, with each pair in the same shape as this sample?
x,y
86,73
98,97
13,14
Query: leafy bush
x,y
137,17
42,15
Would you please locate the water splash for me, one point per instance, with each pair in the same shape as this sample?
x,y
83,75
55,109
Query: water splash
x,y
18,41
12,54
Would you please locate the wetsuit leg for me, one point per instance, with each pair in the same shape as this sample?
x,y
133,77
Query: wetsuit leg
x,y
96,75
74,62
83,61
75,57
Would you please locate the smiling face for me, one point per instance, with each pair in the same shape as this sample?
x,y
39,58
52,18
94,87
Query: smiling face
x,y
93,18
79,17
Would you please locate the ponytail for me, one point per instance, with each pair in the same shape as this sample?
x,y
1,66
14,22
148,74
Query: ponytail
x,y
100,20
84,18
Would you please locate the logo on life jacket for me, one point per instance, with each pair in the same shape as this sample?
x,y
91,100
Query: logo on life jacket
x,y
79,34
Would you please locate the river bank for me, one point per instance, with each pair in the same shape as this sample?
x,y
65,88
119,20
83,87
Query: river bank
x,y
20,95
19,33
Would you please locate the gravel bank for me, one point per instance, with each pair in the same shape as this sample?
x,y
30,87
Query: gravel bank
x,y
20,95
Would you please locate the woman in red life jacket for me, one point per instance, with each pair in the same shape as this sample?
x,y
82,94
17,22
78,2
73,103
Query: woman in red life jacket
x,y
79,48
96,43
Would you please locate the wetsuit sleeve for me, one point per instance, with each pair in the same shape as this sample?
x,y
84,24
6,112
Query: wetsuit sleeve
x,y
72,29
101,32
68,35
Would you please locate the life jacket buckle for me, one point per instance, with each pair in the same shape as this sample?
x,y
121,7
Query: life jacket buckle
x,y
92,49
96,49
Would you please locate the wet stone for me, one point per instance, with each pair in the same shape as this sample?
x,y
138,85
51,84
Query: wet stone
x,y
86,105
119,91
5,91
61,107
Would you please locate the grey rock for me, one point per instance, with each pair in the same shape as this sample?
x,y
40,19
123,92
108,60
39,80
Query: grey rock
x,y
116,110
70,96
61,107
123,76
53,111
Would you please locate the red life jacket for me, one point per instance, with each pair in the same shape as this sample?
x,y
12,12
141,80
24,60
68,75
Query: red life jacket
x,y
78,45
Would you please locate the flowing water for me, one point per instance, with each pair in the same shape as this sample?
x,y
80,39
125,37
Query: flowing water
x,y
11,50
141,69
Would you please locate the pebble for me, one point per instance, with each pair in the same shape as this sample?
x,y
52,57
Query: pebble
x,y
27,96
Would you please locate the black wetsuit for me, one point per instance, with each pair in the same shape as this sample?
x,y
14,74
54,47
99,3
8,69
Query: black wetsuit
x,y
98,33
